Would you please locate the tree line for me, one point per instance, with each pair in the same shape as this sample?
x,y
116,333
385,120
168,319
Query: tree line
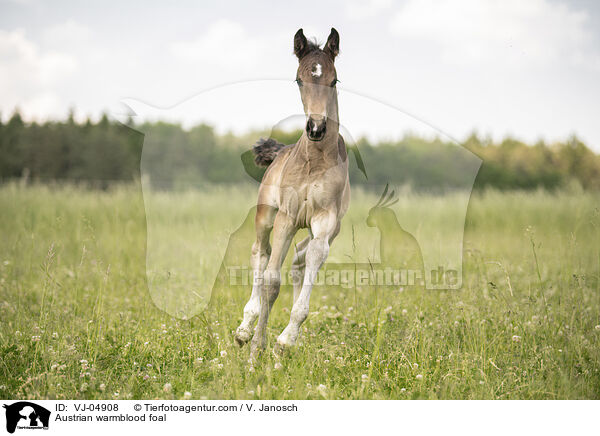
x,y
103,152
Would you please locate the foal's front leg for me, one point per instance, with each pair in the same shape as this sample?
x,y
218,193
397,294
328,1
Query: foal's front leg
x,y
259,258
324,229
283,232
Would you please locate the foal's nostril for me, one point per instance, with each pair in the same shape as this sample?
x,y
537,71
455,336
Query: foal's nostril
x,y
315,128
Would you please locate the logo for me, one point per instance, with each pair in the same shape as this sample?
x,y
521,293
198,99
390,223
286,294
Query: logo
x,y
26,415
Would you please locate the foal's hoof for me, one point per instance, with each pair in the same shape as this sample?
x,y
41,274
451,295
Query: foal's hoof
x,y
286,340
280,349
255,352
242,336
284,344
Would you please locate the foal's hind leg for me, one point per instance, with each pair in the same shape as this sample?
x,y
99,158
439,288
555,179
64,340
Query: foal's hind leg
x,y
259,259
299,265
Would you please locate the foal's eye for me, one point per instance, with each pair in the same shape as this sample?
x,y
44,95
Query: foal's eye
x,y
299,82
334,82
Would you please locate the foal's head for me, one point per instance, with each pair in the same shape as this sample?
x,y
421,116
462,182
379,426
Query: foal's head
x,y
316,78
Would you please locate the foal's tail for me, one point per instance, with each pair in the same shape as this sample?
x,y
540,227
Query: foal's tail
x,y
265,151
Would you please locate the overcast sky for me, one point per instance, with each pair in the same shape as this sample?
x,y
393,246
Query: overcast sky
x,y
529,69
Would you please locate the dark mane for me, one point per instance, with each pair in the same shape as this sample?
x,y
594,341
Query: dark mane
x,y
313,45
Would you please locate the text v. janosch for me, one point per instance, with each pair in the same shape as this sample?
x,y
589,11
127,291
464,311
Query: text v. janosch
x,y
248,407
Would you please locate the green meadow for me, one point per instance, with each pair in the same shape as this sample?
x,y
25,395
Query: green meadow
x,y
78,321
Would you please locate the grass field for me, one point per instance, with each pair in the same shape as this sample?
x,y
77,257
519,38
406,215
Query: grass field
x,y
78,321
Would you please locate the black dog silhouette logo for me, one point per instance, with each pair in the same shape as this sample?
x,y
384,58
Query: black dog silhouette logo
x,y
26,415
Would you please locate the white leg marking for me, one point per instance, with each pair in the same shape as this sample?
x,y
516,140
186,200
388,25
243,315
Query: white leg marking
x,y
258,260
252,307
316,254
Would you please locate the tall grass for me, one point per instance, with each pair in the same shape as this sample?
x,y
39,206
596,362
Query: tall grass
x,y
78,321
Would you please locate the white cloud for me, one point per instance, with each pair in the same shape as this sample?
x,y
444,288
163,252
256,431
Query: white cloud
x,y
45,104
28,74
69,34
225,44
362,10
22,60
509,32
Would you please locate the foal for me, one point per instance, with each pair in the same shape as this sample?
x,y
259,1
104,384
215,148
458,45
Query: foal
x,y
305,186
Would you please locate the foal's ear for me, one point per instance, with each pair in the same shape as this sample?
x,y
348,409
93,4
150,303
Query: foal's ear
x,y
332,46
300,44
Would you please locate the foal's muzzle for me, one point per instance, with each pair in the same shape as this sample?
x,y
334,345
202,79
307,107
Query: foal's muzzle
x,y
315,127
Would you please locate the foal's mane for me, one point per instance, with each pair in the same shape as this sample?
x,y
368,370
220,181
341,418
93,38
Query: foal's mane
x,y
313,45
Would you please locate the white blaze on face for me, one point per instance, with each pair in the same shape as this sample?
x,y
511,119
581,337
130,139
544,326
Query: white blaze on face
x,y
316,71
